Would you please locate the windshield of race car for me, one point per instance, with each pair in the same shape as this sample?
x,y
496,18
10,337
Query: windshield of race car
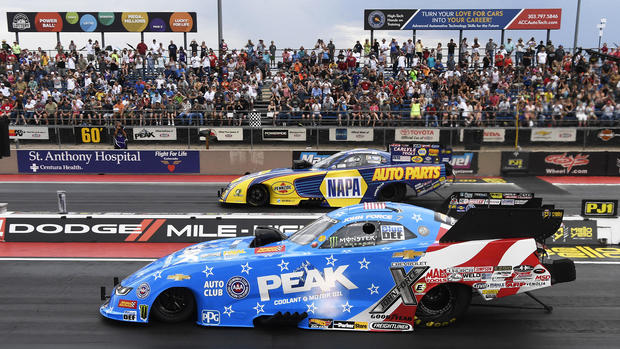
x,y
308,233
326,162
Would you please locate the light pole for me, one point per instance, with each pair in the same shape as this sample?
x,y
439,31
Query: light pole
x,y
576,26
600,27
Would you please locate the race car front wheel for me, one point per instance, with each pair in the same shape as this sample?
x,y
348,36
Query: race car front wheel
x,y
174,305
394,192
442,305
258,195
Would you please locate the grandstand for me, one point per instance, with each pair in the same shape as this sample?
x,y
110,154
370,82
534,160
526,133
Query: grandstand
x,y
384,84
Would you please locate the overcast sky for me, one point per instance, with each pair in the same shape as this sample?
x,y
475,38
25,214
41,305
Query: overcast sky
x,y
292,23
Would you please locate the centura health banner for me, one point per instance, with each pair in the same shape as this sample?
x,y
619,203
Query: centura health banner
x,y
462,19
101,21
108,161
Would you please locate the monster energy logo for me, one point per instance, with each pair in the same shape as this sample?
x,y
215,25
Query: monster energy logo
x,y
144,311
333,241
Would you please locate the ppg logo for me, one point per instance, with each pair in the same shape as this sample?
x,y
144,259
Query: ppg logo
x,y
211,317
344,187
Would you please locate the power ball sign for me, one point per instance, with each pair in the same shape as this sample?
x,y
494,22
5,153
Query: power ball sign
x,y
462,19
101,22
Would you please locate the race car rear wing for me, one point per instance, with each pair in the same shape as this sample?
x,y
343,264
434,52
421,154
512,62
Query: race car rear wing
x,y
460,202
505,223
419,153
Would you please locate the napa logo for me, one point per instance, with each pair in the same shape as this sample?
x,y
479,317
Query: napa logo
x,y
343,187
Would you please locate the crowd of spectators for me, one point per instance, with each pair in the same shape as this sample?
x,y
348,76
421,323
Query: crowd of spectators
x,y
385,83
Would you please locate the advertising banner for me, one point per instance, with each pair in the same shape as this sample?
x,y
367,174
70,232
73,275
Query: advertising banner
x,y
108,228
464,162
599,208
352,134
108,161
312,156
613,164
462,19
225,133
515,162
575,232
494,135
101,22
284,134
154,133
547,134
422,135
29,132
568,164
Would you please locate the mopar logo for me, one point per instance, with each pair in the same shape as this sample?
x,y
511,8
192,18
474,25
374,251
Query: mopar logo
x,y
312,156
345,187
210,317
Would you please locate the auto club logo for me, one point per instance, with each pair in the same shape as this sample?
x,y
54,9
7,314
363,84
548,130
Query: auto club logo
x,y
238,287
21,22
376,19
143,290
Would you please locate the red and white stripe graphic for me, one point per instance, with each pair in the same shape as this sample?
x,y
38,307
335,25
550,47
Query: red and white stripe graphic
x,y
143,233
2,220
374,205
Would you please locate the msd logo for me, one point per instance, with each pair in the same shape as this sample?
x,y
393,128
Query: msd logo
x,y
344,187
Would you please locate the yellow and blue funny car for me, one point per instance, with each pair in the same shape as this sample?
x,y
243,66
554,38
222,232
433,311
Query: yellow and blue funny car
x,y
346,178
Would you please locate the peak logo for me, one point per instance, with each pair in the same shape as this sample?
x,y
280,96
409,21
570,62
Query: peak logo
x,y
568,161
295,282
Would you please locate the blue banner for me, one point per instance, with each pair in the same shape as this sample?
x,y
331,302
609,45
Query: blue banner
x,y
476,19
108,161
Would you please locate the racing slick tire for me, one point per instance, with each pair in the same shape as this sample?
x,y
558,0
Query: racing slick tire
x,y
175,304
442,305
258,195
394,192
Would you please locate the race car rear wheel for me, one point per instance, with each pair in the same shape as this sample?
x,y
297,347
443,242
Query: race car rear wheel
x,y
175,304
258,195
442,305
394,192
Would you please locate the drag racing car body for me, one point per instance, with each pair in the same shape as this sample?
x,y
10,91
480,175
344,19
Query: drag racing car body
x,y
368,267
346,178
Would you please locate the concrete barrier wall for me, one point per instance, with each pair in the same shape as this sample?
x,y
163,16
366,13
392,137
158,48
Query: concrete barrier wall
x,y
9,165
489,163
226,162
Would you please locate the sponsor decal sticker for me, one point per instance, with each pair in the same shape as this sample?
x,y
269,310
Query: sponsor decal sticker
x,y
178,277
390,326
130,316
123,303
143,291
270,249
210,317
282,188
406,173
238,287
144,312
320,323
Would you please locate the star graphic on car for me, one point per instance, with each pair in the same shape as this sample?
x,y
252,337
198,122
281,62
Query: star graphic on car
x,y
208,271
416,217
157,275
311,308
228,310
283,265
245,268
346,308
331,260
259,308
364,263
373,289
